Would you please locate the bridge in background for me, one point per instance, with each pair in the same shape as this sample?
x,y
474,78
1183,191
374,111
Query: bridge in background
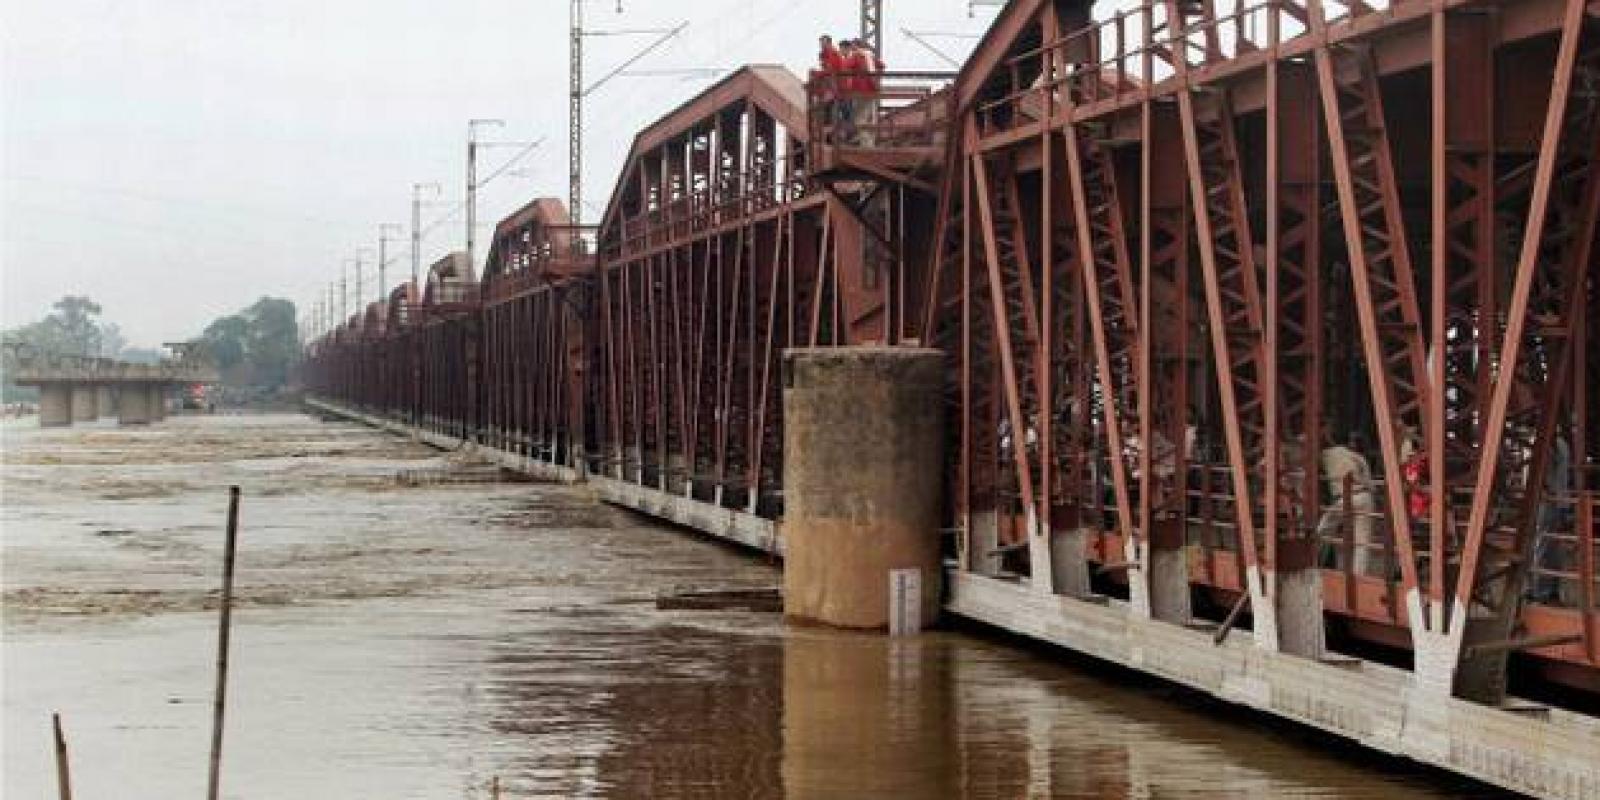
x,y
74,388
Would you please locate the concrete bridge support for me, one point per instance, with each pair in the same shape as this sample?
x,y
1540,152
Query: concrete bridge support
x,y
85,402
863,438
133,405
55,405
105,400
158,402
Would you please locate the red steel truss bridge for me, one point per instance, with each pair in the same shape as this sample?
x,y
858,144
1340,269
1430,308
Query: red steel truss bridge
x,y
1175,255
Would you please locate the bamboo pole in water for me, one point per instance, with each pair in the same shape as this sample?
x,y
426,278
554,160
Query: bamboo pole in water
x,y
63,770
224,627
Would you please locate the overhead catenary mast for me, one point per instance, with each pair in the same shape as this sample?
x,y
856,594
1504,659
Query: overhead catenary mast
x,y
872,25
383,254
575,122
416,231
575,93
472,182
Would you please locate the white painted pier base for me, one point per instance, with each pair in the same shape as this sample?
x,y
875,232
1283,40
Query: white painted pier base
x,y
1537,750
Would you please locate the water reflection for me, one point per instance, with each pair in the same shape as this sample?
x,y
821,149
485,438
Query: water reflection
x,y
604,702
717,706
867,715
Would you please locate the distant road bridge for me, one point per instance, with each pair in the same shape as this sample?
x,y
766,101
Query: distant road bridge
x,y
76,388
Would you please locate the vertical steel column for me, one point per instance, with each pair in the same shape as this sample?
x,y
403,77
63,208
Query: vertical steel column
x,y
1113,319
1384,286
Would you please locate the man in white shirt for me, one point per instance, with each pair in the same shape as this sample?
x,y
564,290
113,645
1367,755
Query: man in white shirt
x,y
1347,471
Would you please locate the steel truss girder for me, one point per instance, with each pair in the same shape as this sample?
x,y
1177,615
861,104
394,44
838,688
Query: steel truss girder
x,y
1380,265
1557,251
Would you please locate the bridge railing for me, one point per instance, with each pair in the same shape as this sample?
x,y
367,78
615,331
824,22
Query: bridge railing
x,y
1118,58
907,111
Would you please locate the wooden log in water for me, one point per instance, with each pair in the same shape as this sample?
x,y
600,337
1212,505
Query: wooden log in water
x,y
758,598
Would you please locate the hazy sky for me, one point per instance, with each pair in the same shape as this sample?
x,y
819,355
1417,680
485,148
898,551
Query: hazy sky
x,y
176,159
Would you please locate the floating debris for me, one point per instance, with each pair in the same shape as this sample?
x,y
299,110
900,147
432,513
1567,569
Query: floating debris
x,y
757,598
459,474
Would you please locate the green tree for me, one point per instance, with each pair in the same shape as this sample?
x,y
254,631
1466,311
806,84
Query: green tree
x,y
112,342
256,346
71,329
274,340
225,339
78,327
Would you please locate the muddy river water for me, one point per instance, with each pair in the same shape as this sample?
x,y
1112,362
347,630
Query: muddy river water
x,y
418,638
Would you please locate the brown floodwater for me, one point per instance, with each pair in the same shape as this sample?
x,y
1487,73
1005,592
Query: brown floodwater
x,y
418,638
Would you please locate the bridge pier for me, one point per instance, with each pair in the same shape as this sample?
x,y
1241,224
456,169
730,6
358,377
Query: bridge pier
x,y
1069,569
55,404
85,405
105,402
133,404
863,437
158,402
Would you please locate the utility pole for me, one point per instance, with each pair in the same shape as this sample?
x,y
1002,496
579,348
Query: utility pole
x,y
872,25
360,267
575,93
416,231
575,124
359,270
472,182
383,249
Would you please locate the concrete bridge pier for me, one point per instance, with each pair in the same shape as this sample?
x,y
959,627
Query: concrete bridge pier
x,y
55,405
105,400
862,456
158,402
85,402
133,404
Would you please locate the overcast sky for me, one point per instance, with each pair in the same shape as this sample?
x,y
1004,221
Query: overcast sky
x,y
177,159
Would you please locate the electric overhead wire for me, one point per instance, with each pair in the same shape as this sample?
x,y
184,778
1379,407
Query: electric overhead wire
x,y
635,115
624,110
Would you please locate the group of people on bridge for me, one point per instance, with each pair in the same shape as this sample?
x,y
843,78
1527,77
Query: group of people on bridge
x,y
846,81
1350,523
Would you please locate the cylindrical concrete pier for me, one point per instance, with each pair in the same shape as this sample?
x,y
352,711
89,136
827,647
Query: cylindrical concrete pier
x,y
85,403
105,401
863,471
133,405
55,405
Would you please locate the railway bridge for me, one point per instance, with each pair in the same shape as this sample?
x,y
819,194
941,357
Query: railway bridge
x,y
1269,332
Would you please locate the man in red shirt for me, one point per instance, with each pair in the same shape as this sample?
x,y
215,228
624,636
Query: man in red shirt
x,y
826,80
863,66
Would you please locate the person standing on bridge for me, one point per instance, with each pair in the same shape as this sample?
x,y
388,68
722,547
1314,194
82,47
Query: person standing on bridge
x,y
864,68
1555,517
849,96
1349,481
825,80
